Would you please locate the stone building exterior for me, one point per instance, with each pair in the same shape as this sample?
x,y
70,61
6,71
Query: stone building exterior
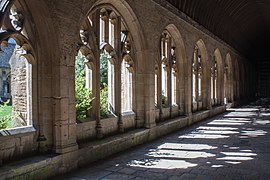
x,y
163,49
5,56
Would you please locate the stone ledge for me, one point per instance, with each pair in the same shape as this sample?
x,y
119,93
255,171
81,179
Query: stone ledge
x,y
17,131
46,166
93,151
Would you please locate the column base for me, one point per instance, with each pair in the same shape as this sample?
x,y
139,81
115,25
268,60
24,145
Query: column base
x,y
99,132
66,149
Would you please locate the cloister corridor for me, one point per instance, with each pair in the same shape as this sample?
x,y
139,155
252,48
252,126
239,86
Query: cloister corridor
x,y
233,145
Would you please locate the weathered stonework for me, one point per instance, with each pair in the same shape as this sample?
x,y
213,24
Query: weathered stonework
x,y
53,28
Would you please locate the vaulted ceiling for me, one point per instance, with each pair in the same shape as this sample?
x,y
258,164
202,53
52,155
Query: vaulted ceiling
x,y
244,24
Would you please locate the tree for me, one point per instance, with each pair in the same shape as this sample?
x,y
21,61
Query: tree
x,y
83,96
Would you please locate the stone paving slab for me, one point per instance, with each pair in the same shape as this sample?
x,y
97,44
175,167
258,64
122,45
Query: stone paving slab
x,y
234,145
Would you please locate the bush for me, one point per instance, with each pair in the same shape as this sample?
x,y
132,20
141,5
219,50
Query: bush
x,y
83,95
6,120
103,70
83,99
163,100
104,112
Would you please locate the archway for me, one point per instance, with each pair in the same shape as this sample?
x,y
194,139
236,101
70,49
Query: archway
x,y
228,80
169,74
217,81
201,78
109,34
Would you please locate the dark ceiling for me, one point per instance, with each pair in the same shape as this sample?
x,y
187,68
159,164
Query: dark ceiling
x,y
244,24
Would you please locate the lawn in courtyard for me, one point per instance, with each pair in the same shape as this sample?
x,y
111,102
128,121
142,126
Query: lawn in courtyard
x,y
5,117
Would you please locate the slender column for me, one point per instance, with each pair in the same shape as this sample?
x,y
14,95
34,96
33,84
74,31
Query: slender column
x,y
197,79
169,75
214,84
96,27
149,82
118,70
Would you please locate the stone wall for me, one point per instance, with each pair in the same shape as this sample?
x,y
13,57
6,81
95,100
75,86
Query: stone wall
x,y
19,92
55,39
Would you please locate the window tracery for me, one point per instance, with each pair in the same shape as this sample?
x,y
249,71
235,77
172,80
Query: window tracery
x,y
13,38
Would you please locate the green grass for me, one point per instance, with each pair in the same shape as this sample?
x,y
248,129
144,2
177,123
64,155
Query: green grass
x,y
5,117
7,110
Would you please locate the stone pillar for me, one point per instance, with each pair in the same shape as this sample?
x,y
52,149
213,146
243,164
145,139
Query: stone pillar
x,y
118,71
139,89
64,105
169,75
149,82
96,105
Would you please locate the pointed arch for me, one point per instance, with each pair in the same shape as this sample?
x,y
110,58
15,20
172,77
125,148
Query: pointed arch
x,y
171,73
218,68
228,79
202,79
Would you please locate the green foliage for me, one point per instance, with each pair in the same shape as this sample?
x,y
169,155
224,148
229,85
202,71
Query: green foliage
x,y
83,95
163,100
79,65
103,70
104,112
5,116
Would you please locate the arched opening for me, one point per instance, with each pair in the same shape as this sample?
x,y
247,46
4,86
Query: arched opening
x,y
127,84
236,78
83,87
228,80
108,47
217,79
16,76
200,78
197,80
169,79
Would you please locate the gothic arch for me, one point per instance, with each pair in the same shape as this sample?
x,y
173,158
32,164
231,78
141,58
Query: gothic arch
x,y
182,70
16,28
228,79
124,10
112,27
236,80
205,91
220,76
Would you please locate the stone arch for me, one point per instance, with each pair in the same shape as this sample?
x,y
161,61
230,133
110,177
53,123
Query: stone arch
x,y
182,68
23,75
121,18
14,25
236,80
206,103
131,21
228,78
220,76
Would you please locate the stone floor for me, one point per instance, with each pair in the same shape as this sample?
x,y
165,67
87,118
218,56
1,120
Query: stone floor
x,y
234,145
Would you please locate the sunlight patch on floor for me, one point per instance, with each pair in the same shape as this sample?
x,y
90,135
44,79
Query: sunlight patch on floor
x,y
186,146
161,164
235,158
254,133
238,154
217,128
261,122
218,132
180,154
203,136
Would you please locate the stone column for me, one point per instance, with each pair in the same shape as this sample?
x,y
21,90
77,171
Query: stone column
x,y
169,75
149,82
118,69
64,106
96,107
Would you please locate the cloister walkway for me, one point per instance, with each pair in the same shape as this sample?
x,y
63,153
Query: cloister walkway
x,y
234,145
